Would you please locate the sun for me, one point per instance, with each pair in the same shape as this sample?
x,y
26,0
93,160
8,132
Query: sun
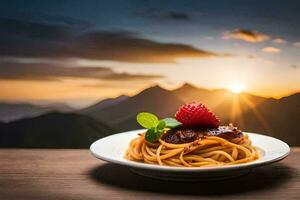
x,y
236,88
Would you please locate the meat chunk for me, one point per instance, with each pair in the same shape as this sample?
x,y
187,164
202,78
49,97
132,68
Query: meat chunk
x,y
186,135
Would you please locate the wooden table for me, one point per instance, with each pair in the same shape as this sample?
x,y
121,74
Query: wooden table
x,y
76,174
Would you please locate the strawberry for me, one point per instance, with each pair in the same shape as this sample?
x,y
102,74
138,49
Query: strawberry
x,y
196,115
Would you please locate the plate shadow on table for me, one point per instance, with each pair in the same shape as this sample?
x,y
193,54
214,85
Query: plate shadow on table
x,y
263,178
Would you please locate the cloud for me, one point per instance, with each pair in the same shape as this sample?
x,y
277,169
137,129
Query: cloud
x,y
271,50
246,35
279,41
118,84
124,46
43,18
34,40
17,29
297,44
178,15
294,66
155,13
21,71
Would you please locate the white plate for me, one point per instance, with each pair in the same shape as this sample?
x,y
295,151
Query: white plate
x,y
113,148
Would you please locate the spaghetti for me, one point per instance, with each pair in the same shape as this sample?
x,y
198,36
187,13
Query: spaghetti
x,y
210,151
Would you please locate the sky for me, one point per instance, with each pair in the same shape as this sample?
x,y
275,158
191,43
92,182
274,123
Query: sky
x,y
79,52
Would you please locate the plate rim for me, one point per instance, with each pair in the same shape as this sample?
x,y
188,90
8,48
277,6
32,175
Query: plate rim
x,y
146,166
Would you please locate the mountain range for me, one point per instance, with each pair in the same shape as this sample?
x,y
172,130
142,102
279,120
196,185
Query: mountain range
x,y
53,130
14,111
123,114
274,117
104,104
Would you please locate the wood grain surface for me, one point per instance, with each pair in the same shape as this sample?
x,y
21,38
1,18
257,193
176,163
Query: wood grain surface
x,y
76,174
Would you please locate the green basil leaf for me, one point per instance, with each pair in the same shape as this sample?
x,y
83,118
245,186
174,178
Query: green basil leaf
x,y
171,122
147,120
151,135
161,125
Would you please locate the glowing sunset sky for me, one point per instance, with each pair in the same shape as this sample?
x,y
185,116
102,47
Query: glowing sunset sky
x,y
80,52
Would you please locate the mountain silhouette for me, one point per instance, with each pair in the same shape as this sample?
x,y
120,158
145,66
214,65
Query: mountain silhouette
x,y
53,130
277,118
103,104
123,115
14,111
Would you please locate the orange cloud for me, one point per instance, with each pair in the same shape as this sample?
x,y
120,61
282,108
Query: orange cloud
x,y
246,35
297,44
271,50
279,41
50,72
